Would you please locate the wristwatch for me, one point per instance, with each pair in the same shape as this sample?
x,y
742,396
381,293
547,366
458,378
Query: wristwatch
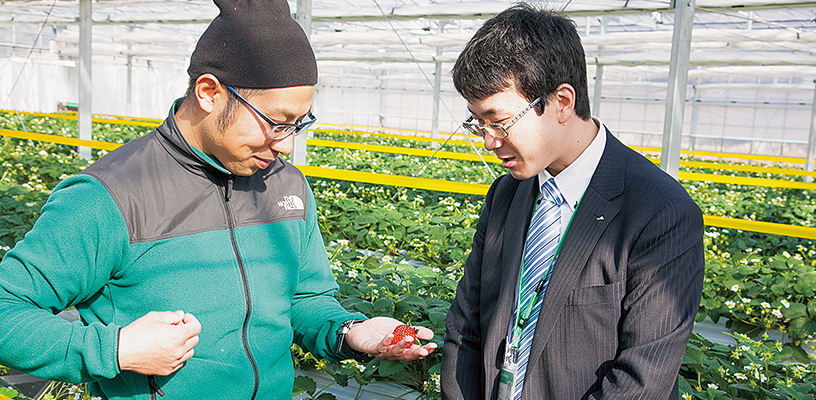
x,y
343,347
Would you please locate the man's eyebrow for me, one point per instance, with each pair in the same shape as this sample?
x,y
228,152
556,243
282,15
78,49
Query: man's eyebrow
x,y
487,113
288,114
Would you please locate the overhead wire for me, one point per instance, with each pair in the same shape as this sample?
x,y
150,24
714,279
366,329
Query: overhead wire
x,y
427,79
25,62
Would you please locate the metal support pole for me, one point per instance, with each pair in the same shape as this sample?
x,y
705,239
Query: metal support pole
x,y
811,152
599,68
304,18
85,85
437,90
596,96
383,102
129,89
695,112
676,92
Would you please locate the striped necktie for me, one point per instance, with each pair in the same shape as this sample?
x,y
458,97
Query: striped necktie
x,y
539,249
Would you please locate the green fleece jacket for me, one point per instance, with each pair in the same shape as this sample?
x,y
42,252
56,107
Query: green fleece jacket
x,y
158,226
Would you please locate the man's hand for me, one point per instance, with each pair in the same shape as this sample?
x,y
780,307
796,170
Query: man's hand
x,y
158,343
374,337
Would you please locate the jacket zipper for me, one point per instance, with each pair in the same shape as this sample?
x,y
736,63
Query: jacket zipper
x,y
154,388
231,224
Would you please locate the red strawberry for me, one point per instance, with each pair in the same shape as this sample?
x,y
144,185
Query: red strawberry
x,y
402,331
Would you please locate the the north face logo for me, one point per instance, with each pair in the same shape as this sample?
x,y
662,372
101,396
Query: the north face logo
x,y
291,203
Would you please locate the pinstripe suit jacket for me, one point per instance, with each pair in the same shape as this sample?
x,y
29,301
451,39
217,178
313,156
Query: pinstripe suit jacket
x,y
620,304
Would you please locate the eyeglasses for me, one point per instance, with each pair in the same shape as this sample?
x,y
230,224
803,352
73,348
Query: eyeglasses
x,y
498,131
279,130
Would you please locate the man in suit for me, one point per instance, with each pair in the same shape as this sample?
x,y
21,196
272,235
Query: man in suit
x,y
587,263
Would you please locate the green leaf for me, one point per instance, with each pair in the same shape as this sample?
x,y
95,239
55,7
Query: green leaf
x,y
437,319
714,314
341,379
303,384
811,310
799,354
801,327
365,308
435,369
701,315
383,305
795,310
685,388
741,327
326,396
746,388
388,367
695,354
414,300
438,303
9,392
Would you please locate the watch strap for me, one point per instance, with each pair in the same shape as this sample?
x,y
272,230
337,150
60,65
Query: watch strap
x,y
343,348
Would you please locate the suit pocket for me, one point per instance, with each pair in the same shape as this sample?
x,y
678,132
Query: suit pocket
x,y
593,295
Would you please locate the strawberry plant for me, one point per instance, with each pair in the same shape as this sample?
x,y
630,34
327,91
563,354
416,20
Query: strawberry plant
x,y
19,208
399,252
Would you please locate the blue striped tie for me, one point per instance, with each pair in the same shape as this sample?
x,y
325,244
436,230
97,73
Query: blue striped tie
x,y
539,250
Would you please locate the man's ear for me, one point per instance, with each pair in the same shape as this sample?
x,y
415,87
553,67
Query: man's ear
x,y
563,102
207,92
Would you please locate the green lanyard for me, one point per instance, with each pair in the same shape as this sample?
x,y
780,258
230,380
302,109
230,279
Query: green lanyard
x,y
523,315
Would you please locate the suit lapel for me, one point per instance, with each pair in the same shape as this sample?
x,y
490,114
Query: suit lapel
x,y
515,231
591,218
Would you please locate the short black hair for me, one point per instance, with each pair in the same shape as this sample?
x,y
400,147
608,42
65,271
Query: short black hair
x,y
227,116
534,48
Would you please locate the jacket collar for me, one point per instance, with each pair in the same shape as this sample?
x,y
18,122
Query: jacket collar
x,y
592,217
189,157
587,226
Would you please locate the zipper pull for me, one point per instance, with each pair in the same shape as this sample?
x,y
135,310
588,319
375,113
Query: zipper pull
x,y
151,381
227,186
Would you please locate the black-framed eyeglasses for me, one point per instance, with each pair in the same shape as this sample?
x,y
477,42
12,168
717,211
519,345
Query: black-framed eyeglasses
x,y
280,130
496,130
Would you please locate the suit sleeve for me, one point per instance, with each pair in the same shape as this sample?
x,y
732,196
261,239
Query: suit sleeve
x,y
462,356
316,315
664,286
69,254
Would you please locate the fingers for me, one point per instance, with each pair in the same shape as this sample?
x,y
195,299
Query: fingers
x,y
424,333
191,342
188,355
167,317
191,324
405,350
158,343
417,352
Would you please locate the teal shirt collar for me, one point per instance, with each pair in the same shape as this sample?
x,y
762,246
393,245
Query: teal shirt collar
x,y
204,157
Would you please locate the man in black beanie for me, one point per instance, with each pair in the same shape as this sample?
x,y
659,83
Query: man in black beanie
x,y
199,216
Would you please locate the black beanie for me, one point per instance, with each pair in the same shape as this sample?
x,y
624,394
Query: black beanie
x,y
255,44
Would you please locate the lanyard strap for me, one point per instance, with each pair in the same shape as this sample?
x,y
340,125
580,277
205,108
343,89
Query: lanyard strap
x,y
523,315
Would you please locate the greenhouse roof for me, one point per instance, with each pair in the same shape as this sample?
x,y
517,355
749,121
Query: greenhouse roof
x,y
779,38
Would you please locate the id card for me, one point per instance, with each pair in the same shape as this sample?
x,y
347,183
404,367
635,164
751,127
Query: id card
x,y
507,380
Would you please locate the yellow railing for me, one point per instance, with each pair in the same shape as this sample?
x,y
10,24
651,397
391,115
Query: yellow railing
x,y
451,186
151,122
70,115
94,144
690,176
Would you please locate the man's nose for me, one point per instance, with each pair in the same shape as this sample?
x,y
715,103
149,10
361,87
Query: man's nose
x,y
490,142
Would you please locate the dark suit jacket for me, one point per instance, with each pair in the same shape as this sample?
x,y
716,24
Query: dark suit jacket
x,y
621,300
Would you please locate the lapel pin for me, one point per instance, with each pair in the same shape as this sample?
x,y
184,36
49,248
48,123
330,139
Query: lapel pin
x,y
600,218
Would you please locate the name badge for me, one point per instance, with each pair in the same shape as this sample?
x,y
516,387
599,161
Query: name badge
x,y
507,380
